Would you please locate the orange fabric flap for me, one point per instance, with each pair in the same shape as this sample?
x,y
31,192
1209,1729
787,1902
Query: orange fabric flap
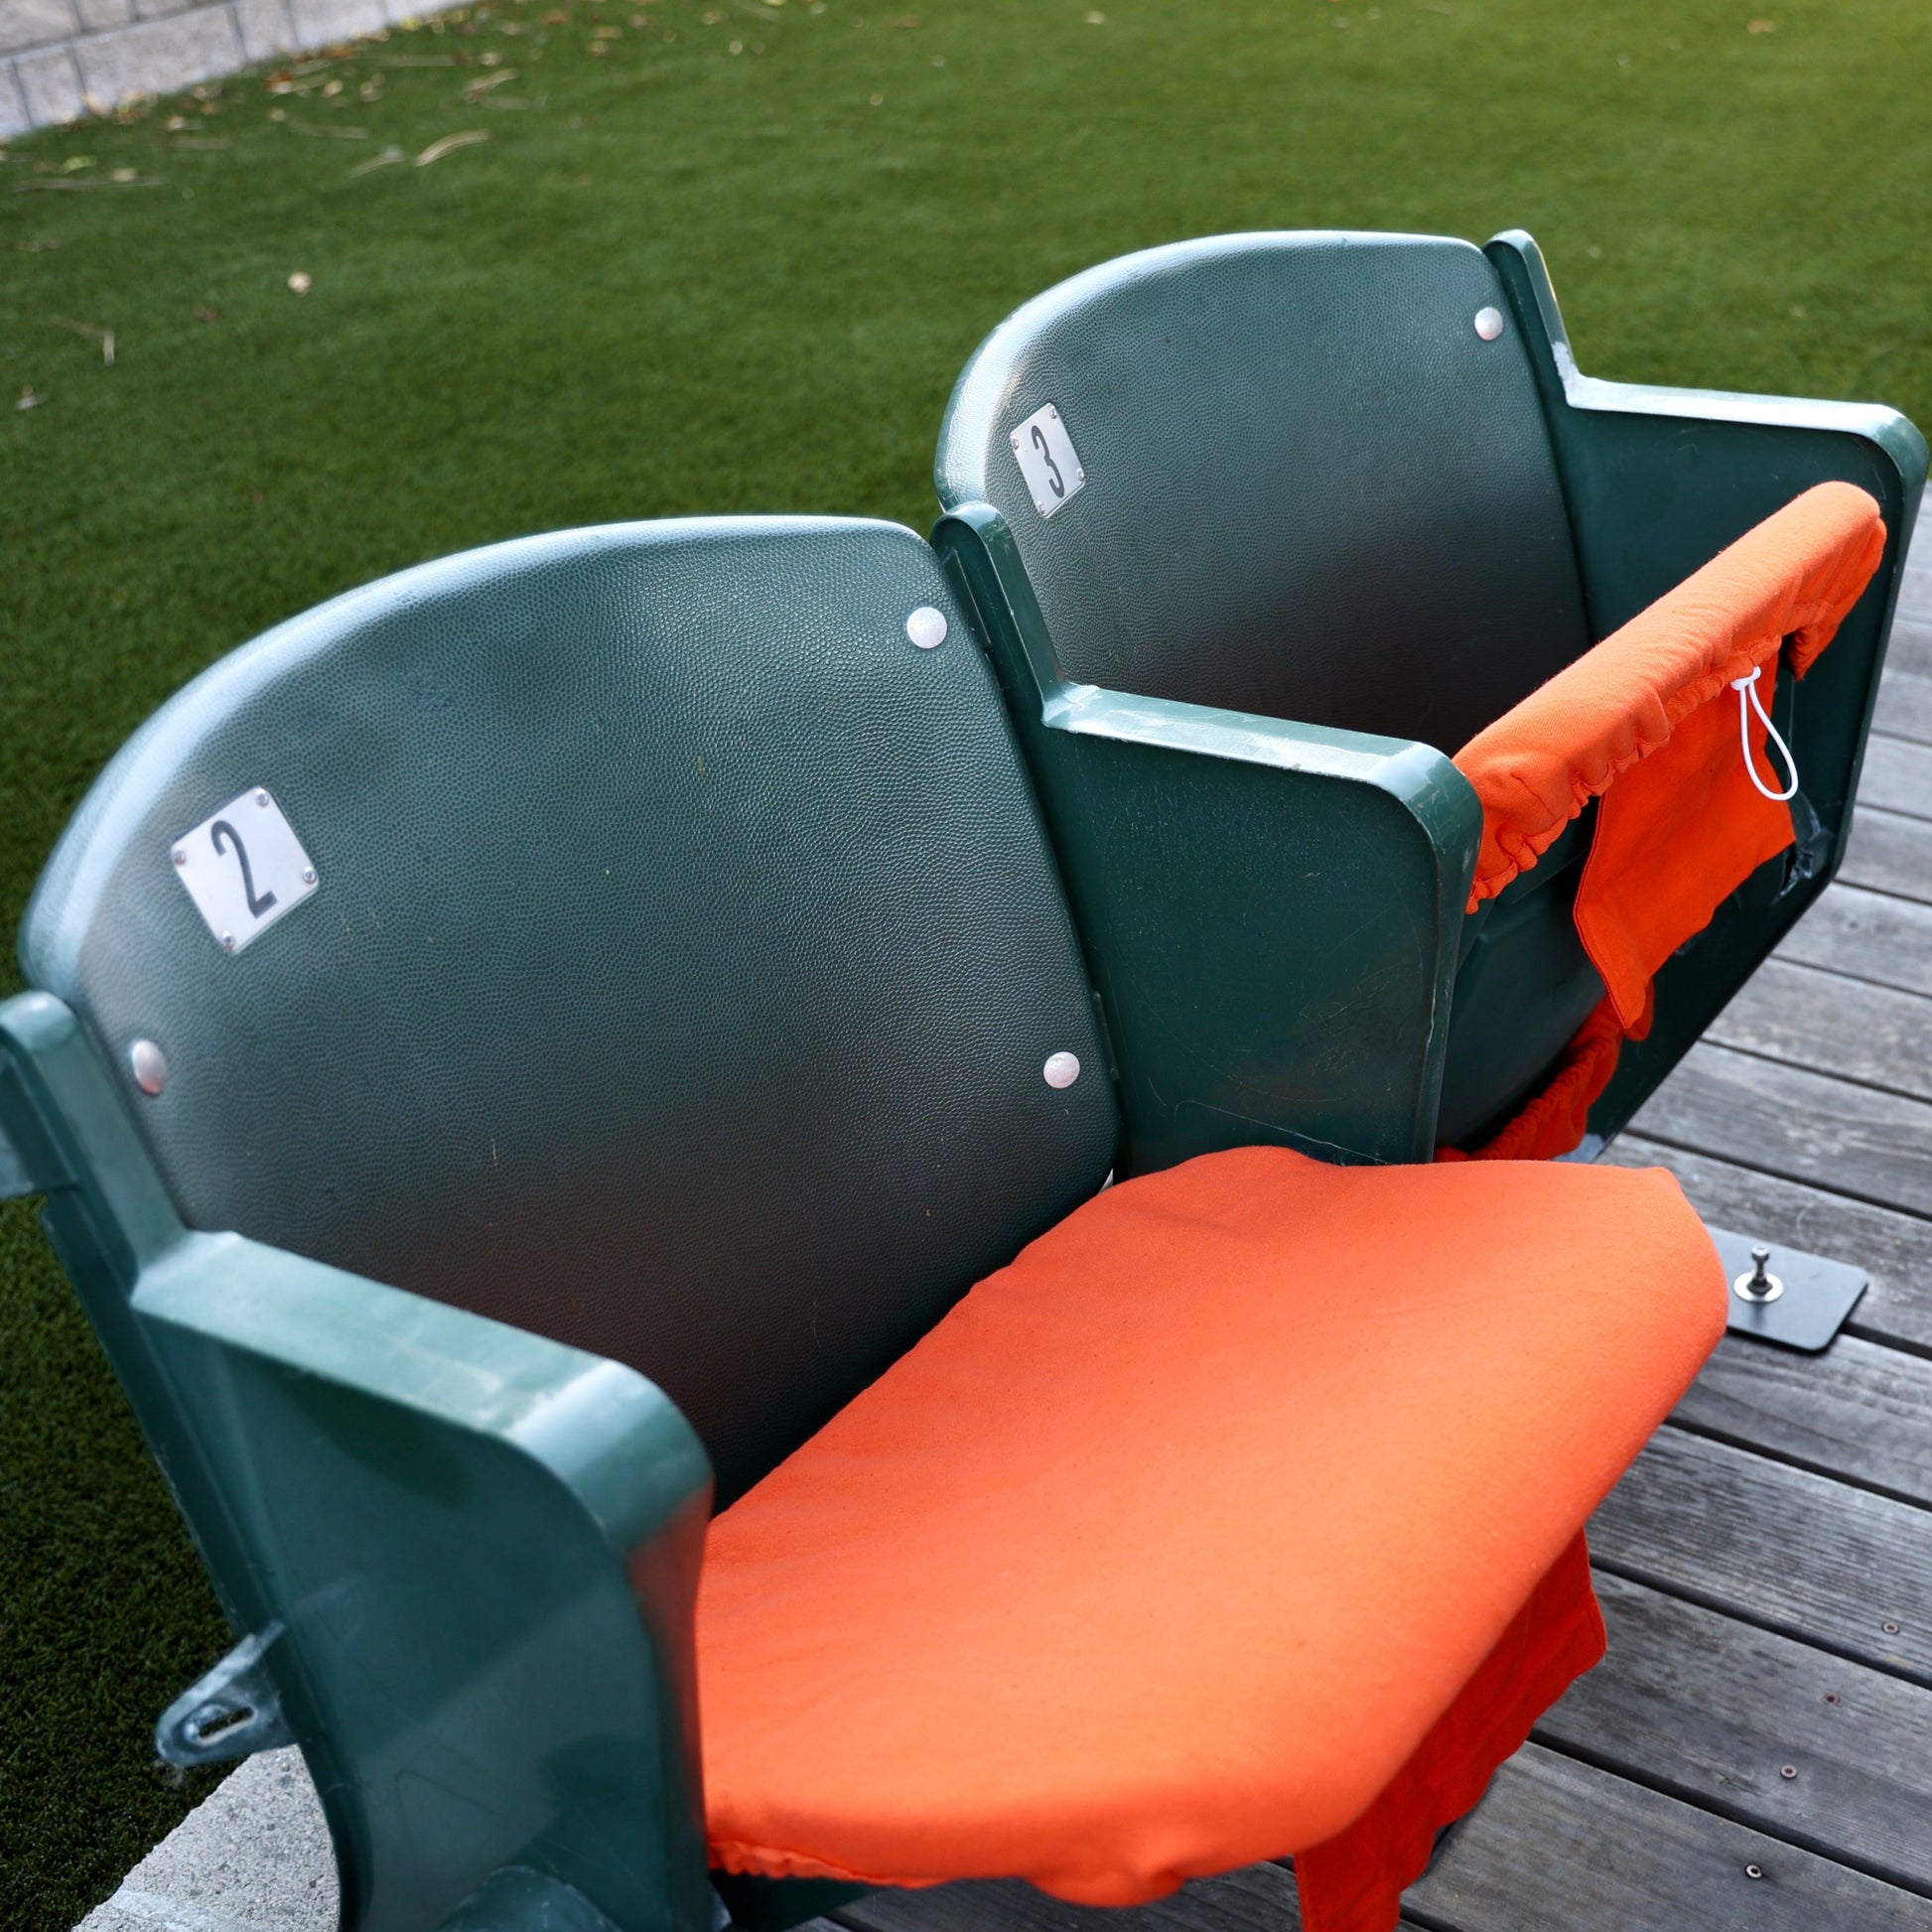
x,y
1354,1881
1795,576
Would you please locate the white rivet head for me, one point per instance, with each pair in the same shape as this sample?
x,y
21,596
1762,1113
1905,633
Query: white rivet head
x,y
148,1065
227,942
307,875
261,798
1489,324
927,628
180,855
1061,1069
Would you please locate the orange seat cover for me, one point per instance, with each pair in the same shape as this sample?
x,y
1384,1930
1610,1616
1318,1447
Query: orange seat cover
x,y
1651,709
1178,1538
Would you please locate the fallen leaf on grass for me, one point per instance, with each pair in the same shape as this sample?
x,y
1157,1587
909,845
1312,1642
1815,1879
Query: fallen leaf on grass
x,y
473,90
38,247
449,144
301,282
28,399
207,314
94,333
386,159
1762,27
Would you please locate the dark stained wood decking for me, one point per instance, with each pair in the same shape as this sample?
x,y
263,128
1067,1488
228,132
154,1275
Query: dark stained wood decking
x,y
1755,1752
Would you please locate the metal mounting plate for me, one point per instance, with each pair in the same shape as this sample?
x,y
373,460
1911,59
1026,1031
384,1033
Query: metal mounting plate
x,y
1818,1294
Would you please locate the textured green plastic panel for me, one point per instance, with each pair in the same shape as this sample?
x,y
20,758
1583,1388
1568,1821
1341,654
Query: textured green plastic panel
x,y
686,954
1270,911
1313,491
1660,479
483,1547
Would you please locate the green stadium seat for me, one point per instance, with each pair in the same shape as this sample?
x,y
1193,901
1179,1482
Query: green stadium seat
x,y
1348,494
530,1049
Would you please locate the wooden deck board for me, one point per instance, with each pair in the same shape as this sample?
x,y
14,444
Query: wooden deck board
x,y
1810,1017
1559,1846
1702,1707
1897,775
1784,1548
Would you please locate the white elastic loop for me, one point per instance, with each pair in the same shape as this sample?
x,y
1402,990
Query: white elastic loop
x,y
1747,702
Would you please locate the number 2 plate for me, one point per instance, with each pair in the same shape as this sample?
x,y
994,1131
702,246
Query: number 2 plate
x,y
243,867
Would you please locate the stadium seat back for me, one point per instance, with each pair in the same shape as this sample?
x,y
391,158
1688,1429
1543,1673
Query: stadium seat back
x,y
679,966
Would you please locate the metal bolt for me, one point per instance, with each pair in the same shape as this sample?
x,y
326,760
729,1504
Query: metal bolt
x,y
1891,1629
1489,324
149,1065
227,942
1053,412
261,798
179,855
1753,1871
1761,1284
1830,1697
1787,1771
307,875
927,628
1061,1070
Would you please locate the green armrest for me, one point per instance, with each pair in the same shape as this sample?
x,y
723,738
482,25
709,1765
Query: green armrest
x,y
1658,480
481,1547
1271,911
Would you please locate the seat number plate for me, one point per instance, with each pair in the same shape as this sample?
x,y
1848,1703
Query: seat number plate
x,y
244,866
1044,452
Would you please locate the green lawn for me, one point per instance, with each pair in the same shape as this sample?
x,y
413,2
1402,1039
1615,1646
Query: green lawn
x,y
733,263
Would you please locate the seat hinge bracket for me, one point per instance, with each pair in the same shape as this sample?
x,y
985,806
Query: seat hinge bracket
x,y
234,1711
1784,1295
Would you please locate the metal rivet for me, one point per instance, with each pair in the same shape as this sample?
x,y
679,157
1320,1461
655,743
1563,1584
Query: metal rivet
x,y
1787,1771
227,942
1061,1070
149,1066
307,875
1053,412
179,855
1753,1871
1489,324
261,798
1830,1697
927,628
1891,1629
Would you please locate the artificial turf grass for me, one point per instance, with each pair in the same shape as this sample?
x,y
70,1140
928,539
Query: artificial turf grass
x,y
683,278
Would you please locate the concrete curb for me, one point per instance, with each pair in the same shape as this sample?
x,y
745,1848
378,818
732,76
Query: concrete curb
x,y
252,1856
62,59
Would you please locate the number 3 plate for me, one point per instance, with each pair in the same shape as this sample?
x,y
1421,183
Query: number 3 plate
x,y
1044,452
243,867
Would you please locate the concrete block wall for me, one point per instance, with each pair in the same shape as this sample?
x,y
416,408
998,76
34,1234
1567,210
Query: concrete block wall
x,y
61,59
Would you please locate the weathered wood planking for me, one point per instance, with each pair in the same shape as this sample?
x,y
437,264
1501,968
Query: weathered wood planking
x,y
1711,1710
1808,1017
1858,1411
1895,1249
1562,1847
1785,1548
1259,1900
1896,775
1890,853
1904,707
1805,1125
1867,936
